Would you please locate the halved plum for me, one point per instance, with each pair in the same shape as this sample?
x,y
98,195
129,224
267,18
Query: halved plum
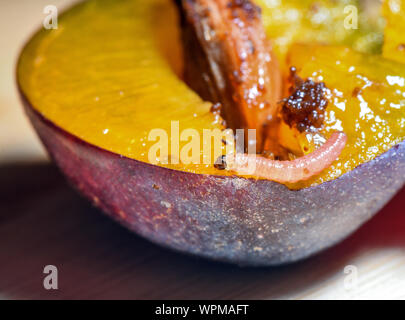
x,y
95,87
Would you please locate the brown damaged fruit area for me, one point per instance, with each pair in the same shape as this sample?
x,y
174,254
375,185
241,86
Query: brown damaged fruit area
x,y
230,62
305,108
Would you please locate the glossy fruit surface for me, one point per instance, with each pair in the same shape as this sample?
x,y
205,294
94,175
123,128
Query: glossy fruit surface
x,y
366,101
95,87
109,80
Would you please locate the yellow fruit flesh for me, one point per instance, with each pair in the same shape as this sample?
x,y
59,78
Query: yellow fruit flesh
x,y
111,73
323,21
394,42
366,101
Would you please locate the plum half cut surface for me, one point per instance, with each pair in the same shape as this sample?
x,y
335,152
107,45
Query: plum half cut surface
x,y
221,217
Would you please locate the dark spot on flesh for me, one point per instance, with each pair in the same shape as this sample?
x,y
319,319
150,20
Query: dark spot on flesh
x,y
356,92
220,164
205,12
156,187
305,108
315,7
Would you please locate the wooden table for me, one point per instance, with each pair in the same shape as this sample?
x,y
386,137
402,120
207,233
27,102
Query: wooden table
x,y
43,222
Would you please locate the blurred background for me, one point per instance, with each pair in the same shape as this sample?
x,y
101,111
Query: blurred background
x,y
43,222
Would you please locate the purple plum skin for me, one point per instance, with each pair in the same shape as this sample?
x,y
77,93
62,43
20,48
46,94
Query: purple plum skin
x,y
231,219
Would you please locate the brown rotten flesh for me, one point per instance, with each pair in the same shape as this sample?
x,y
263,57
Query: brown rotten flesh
x,y
93,95
238,67
230,60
